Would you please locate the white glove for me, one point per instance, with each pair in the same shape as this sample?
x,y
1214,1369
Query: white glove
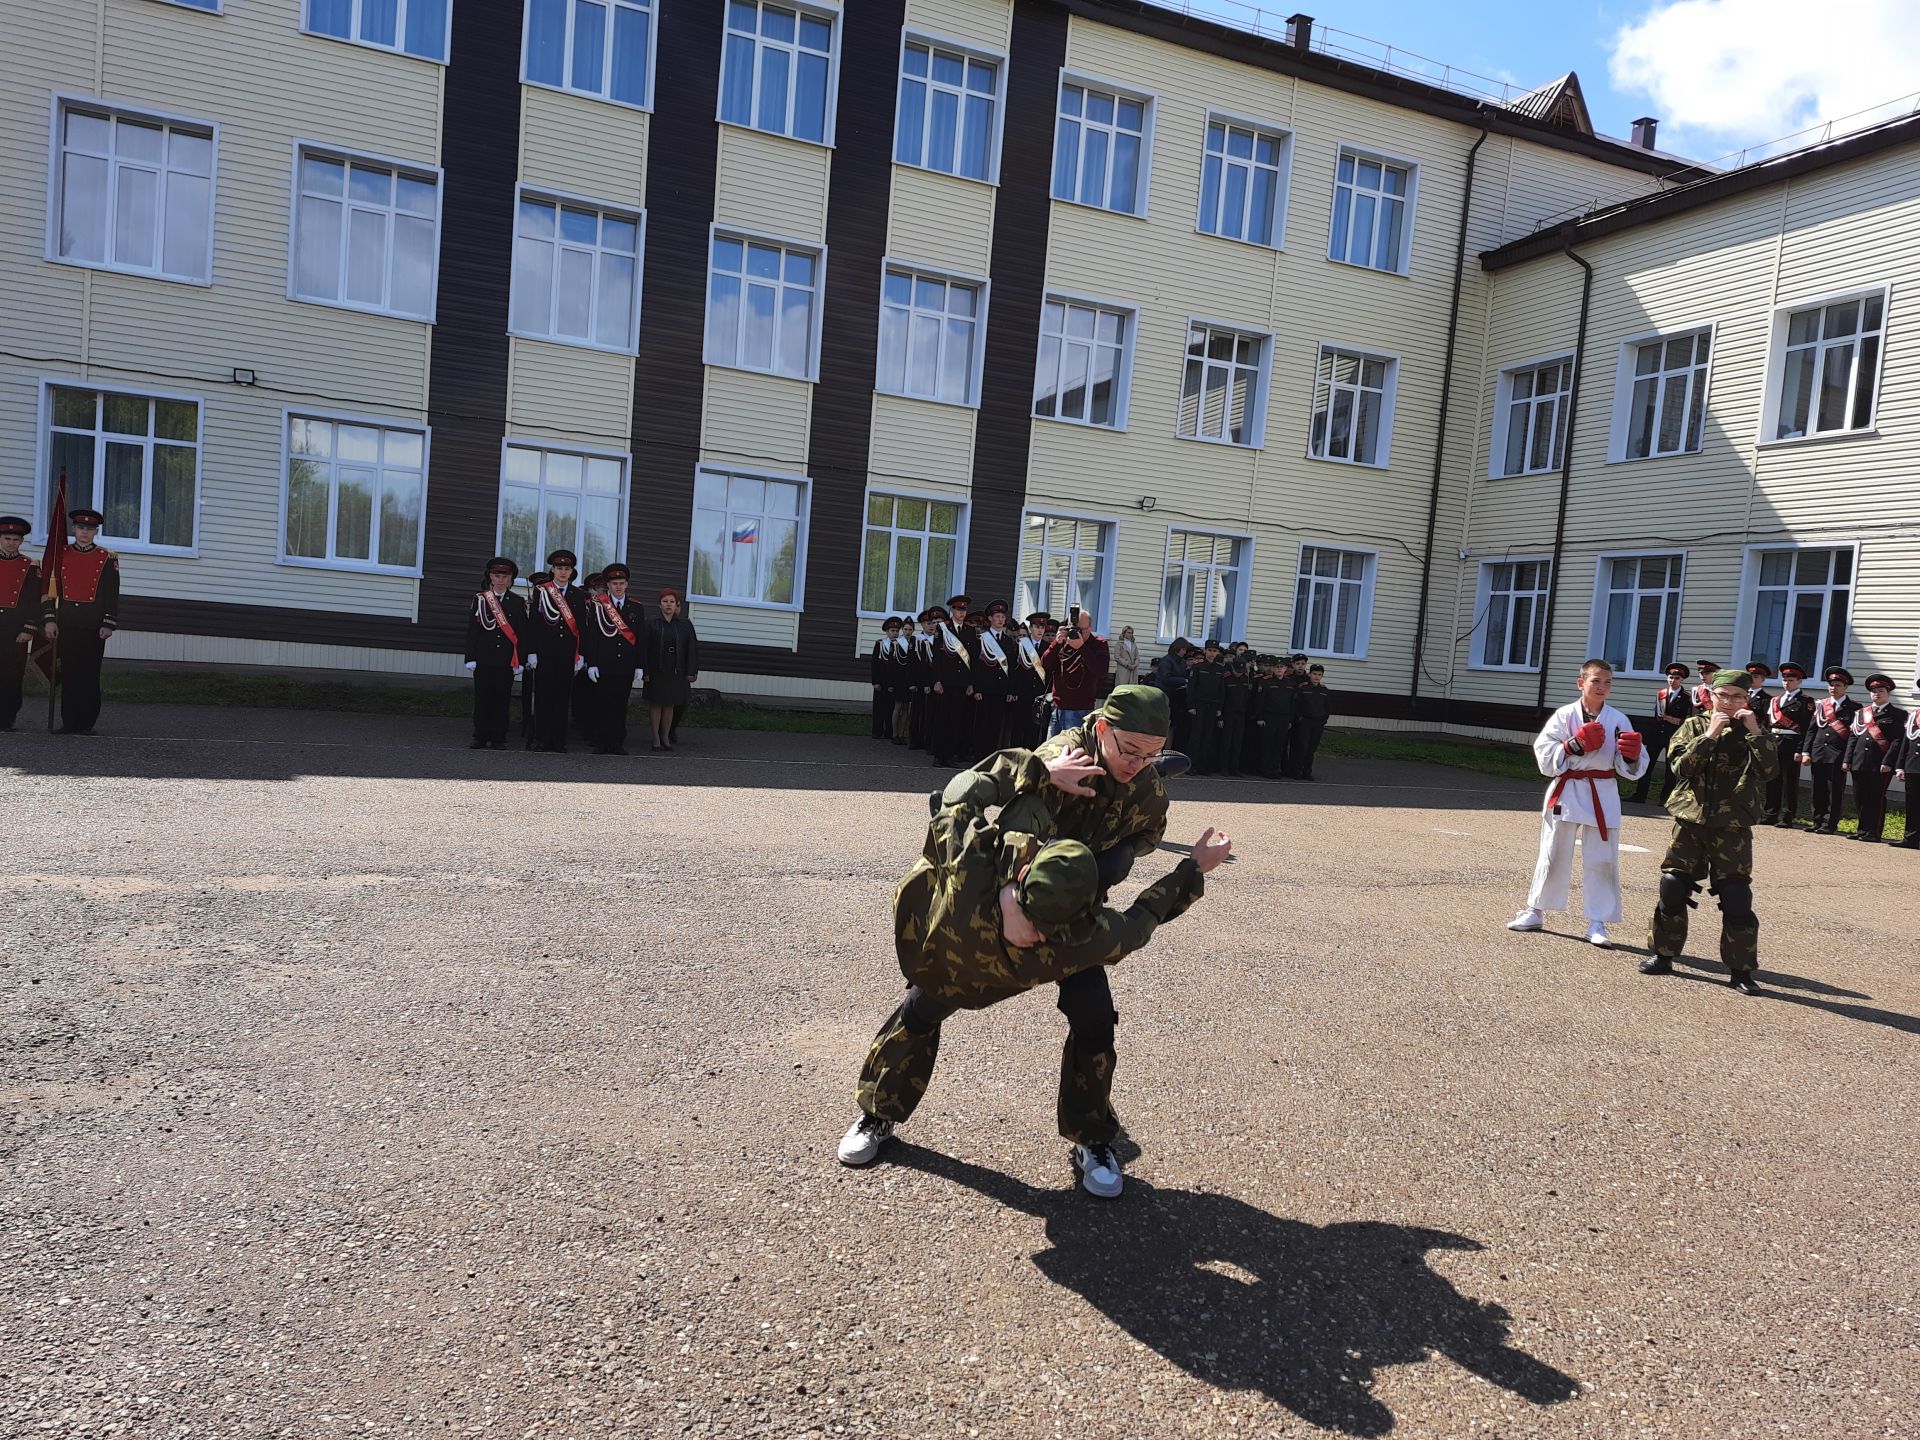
x,y
593,673
533,662
579,663
518,668
470,667
638,677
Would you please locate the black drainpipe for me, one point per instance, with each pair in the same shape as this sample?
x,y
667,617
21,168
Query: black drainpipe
x,y
1566,465
1440,441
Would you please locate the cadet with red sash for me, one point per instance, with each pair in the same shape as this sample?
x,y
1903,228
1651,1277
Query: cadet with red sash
x,y
79,621
1825,753
1759,672
1879,729
555,649
497,630
1672,703
1788,715
614,653
1703,692
19,614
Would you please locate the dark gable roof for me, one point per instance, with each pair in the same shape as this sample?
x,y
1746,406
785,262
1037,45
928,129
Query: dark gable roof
x,y
1646,209
1560,102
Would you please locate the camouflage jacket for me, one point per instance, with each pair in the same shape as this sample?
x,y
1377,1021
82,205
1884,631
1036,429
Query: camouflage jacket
x,y
946,915
1134,813
1722,781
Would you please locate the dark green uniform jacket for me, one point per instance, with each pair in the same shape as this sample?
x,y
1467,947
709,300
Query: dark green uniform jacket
x,y
1134,813
1722,781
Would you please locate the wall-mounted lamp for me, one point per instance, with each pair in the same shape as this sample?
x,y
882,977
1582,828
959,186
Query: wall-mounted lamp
x,y
245,377
1145,502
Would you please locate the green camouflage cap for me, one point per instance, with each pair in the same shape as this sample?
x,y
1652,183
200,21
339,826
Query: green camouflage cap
x,y
1139,708
1060,885
1732,677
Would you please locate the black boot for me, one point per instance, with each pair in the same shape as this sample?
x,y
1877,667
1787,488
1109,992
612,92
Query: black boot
x,y
1657,965
1912,842
1742,980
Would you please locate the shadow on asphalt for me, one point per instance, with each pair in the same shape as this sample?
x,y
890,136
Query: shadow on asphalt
x,y
1244,1300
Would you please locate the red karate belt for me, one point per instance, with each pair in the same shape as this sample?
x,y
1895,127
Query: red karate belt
x,y
1592,777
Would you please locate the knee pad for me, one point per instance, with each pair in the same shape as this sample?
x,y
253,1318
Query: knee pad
x,y
1093,1034
920,1014
1677,891
1736,900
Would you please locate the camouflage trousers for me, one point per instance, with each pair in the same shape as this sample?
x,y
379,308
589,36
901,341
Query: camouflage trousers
x,y
1722,855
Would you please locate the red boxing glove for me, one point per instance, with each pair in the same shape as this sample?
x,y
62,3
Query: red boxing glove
x,y
1629,742
1590,737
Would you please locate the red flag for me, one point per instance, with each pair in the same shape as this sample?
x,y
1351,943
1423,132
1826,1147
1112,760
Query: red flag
x,y
53,563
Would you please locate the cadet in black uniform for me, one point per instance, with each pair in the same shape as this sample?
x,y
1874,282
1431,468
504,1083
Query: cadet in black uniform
x,y
558,611
497,628
993,692
1757,688
1207,693
86,612
900,673
530,677
1313,703
1233,712
1788,715
879,674
922,685
946,710
1825,754
1907,769
19,614
613,658
1273,715
1672,703
1878,731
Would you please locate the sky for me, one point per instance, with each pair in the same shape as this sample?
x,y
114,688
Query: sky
x,y
1720,75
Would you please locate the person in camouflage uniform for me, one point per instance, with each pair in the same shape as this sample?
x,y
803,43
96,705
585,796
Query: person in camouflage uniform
x,y
1721,762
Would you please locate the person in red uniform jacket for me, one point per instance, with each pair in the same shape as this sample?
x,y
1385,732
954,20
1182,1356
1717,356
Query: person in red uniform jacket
x,y
79,622
19,614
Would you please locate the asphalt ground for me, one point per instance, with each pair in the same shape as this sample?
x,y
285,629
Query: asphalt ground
x,y
354,1084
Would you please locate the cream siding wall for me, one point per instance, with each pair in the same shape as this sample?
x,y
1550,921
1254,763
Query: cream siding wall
x,y
771,184
745,625
585,147
1545,186
987,23
757,421
570,393
940,221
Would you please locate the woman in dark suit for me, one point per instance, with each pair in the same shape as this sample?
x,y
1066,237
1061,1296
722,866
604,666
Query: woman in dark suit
x,y
673,664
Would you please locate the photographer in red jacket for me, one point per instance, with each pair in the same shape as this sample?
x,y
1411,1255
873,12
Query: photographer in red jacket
x,y
1076,666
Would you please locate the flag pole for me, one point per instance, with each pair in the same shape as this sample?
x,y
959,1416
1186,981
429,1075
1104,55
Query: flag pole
x,y
54,564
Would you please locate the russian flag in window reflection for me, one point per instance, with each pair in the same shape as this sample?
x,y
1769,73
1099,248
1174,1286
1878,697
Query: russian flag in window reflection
x,y
746,534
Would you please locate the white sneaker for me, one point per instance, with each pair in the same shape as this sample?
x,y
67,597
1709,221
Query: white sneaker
x,y
1099,1170
861,1144
1597,935
1528,919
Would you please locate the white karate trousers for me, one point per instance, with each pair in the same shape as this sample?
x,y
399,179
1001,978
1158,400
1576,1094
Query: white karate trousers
x,y
1599,869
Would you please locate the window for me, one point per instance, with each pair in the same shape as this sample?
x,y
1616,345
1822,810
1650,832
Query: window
x,y
1371,212
1063,562
948,104
763,306
1513,614
1639,612
1203,588
930,336
1830,368
1243,182
356,492
415,27
1082,370
749,538
1800,602
1220,393
552,499
576,274
1353,407
134,193
134,458
366,235
1534,404
1333,601
1667,406
911,554
602,48
776,73
212,6
1100,148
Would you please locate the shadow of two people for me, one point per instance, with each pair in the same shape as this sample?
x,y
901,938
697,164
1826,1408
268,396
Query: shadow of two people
x,y
1244,1300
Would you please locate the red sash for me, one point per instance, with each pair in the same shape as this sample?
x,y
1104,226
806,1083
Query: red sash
x,y
1830,717
1593,779
504,625
1872,726
610,611
1781,720
1703,697
566,611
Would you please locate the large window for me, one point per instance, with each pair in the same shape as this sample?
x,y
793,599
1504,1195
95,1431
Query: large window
x,y
557,499
1638,620
414,27
1221,394
1243,182
1100,148
763,306
134,193
1333,601
749,538
356,492
602,48
1800,602
930,329
776,73
1081,374
910,557
947,119
1513,614
576,274
1063,562
1534,405
366,235
1830,368
1203,589
1372,212
134,458
1667,404
1353,406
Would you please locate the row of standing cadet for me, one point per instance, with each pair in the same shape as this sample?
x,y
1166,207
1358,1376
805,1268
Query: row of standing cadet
x,y
77,622
1241,713
961,688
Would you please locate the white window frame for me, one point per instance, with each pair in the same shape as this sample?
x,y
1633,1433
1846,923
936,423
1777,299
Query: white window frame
x,y
973,50
288,415
1363,623
399,28
898,492
215,7
550,447
833,16
1283,181
43,455
1358,152
1388,398
1777,365
805,516
1620,430
1109,546
56,194
1541,596
1503,403
562,200
982,287
1263,372
1235,621
1748,605
1083,80
716,230
604,95
321,150
1602,591
1123,374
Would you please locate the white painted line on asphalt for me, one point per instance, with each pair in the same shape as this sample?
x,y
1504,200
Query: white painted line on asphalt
x,y
1634,849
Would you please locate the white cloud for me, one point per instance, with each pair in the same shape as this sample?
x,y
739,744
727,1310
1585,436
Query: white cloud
x,y
1723,74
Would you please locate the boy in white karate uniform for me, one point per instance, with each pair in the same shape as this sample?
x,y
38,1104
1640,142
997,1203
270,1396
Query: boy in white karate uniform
x,y
1583,746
